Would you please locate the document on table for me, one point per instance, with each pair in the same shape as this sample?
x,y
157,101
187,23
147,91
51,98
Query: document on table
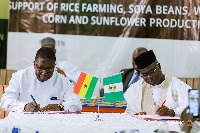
x,y
156,117
53,112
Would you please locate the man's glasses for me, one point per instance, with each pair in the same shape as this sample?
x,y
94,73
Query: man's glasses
x,y
150,73
44,70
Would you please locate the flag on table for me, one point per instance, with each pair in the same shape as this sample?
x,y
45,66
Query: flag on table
x,y
113,88
85,85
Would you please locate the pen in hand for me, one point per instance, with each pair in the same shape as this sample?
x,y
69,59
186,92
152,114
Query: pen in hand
x,y
163,103
34,100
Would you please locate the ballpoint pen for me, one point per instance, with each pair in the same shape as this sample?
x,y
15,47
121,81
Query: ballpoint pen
x,y
34,100
163,103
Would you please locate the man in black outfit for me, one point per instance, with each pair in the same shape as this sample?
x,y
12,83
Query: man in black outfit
x,y
132,75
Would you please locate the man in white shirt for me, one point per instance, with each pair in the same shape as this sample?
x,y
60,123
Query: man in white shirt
x,y
63,67
155,93
48,87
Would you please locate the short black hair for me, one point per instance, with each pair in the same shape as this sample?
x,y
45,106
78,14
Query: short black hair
x,y
45,53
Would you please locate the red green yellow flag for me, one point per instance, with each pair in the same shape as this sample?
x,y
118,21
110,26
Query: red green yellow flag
x,y
85,85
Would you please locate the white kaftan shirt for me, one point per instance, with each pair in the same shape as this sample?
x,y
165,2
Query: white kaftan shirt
x,y
58,89
70,70
177,96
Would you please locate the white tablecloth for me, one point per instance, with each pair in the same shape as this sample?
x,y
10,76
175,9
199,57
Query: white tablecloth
x,y
80,123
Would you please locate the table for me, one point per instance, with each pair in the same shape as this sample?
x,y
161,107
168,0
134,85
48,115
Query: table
x,y
80,123
104,107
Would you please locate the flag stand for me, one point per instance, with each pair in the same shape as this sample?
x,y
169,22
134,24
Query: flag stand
x,y
99,119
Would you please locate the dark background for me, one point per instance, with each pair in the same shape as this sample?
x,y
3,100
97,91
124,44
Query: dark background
x,y
3,43
31,21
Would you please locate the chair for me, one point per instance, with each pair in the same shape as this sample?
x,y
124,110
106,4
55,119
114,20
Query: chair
x,y
3,113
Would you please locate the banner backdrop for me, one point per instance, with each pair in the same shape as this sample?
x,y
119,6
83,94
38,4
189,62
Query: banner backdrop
x,y
4,16
99,36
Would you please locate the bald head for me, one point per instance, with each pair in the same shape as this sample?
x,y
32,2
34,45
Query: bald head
x,y
136,53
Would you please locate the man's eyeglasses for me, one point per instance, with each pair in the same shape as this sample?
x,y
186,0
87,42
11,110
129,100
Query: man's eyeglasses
x,y
44,70
150,73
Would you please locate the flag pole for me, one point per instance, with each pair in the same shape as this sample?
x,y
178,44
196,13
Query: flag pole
x,y
99,119
99,93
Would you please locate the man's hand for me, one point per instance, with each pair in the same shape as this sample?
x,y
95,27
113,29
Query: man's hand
x,y
141,113
188,120
32,107
60,71
51,107
186,116
165,111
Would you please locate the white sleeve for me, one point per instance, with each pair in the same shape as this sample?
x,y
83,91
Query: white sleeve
x,y
71,71
130,110
9,100
127,97
133,98
71,102
182,92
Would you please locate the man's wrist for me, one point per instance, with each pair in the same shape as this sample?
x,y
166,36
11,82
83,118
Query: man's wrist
x,y
25,107
61,106
172,113
186,128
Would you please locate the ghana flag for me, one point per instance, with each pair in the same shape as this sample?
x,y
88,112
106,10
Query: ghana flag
x,y
113,88
85,85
